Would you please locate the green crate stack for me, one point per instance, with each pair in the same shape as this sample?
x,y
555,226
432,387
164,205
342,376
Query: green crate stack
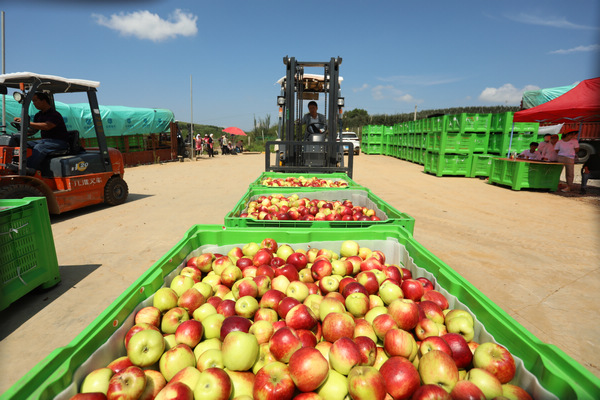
x,y
387,142
505,135
481,165
441,164
364,140
522,175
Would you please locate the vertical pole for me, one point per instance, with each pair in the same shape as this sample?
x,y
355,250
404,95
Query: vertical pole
x,y
415,118
192,122
3,72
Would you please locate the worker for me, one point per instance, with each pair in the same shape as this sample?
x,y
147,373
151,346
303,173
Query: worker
x,y
567,149
590,170
531,153
53,128
546,148
311,118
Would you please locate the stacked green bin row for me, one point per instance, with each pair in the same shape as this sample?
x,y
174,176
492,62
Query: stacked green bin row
x,y
374,139
505,135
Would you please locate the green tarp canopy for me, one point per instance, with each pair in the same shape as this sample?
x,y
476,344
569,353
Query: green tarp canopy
x,y
533,98
117,120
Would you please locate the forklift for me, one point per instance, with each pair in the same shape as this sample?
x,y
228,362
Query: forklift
x,y
315,147
68,179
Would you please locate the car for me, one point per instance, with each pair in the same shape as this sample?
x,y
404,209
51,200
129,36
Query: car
x,y
352,138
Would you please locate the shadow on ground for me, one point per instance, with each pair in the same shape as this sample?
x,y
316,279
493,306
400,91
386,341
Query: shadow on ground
x,y
33,302
90,209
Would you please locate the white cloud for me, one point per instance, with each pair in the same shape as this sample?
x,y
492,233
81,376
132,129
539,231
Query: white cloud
x,y
145,25
419,80
578,49
553,22
360,89
389,92
507,94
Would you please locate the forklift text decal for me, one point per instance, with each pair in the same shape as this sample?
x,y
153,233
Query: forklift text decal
x,y
86,181
81,166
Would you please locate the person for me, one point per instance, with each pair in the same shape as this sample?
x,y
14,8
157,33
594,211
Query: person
x,y
312,117
567,149
198,142
52,126
590,170
210,146
224,145
240,146
531,153
546,148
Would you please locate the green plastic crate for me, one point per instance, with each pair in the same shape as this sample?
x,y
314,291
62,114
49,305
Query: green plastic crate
x,y
481,165
442,164
499,143
27,254
468,122
439,123
457,142
542,369
521,174
359,197
335,176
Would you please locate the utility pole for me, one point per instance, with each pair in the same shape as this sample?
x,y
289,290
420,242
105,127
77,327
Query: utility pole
x,y
415,112
191,121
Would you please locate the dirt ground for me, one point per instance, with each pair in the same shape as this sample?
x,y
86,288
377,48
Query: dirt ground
x,y
534,253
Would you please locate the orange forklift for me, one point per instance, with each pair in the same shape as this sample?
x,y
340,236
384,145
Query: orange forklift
x,y
68,179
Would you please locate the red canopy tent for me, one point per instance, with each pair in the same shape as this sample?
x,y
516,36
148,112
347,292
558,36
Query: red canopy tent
x,y
580,104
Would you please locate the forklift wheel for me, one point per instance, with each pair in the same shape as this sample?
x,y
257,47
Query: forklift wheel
x,y
19,191
115,191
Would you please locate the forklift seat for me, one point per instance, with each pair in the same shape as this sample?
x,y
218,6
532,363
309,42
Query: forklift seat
x,y
74,146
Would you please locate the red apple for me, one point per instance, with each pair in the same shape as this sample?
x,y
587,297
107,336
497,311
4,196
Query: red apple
x,y
405,312
273,382
496,359
461,353
337,325
343,355
412,289
431,392
398,342
149,315
127,384
368,350
271,299
308,369
284,343
285,305
301,317
400,376
366,383
234,323
436,297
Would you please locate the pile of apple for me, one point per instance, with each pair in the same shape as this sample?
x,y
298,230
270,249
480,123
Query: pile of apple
x,y
270,322
279,207
301,181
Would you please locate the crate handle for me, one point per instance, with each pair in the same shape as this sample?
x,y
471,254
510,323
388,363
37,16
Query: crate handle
x,y
13,230
19,276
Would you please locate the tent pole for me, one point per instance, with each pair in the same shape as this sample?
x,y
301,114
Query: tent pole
x,y
511,138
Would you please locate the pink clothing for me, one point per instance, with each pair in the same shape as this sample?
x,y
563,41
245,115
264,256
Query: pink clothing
x,y
567,149
528,155
547,151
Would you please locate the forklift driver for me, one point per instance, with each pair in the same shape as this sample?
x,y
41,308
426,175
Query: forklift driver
x,y
315,122
54,132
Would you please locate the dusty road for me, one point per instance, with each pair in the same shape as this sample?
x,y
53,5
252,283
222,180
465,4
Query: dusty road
x,y
535,254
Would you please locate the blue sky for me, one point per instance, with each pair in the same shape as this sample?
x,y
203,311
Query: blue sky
x,y
396,54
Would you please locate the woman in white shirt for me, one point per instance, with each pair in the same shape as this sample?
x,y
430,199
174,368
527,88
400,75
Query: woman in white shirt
x,y
566,149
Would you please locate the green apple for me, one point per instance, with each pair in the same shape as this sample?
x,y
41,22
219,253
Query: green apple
x,y
164,299
145,347
214,343
97,381
375,312
280,283
204,288
240,350
212,358
313,301
250,249
389,292
486,381
449,314
213,384
181,283
357,304
439,368
212,326
242,382
463,326
204,311
335,386
330,305
246,307
174,360
170,341
349,248
173,318
297,290
284,251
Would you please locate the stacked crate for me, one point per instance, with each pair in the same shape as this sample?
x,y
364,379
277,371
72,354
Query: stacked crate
x,y
506,136
375,140
453,142
364,140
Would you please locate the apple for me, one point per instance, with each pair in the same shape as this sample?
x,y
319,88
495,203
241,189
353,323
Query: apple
x,y
203,311
330,305
285,305
429,309
212,279
304,275
220,263
426,283
437,367
230,275
436,297
266,314
189,376
308,338
393,272
374,312
191,299
297,290
222,291
263,330
496,359
242,383
400,376
175,391
486,381
335,386
244,262
281,283
149,315
181,283
515,392
371,263
214,301
97,381
412,289
369,280
353,287
164,299
174,360
349,248
368,350
173,318
246,306
450,314
405,312
247,287
461,325
136,328
235,253
264,357
235,323
363,328
203,262
466,390
343,355
155,382
208,344
431,392
263,284
211,358
89,396
193,272
298,260
328,284
435,343
212,326
240,350
321,268
127,384
145,347
308,369
301,317
262,257
426,327
119,364
189,332
398,342
284,343
337,325
273,382
226,308
382,324
389,291
271,299
341,267
375,301
461,353
313,301
357,304
366,383
285,251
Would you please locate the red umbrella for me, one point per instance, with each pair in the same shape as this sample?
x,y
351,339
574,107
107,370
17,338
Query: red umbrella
x,y
234,131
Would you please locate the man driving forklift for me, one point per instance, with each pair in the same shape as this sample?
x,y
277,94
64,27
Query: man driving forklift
x,y
315,123
54,133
